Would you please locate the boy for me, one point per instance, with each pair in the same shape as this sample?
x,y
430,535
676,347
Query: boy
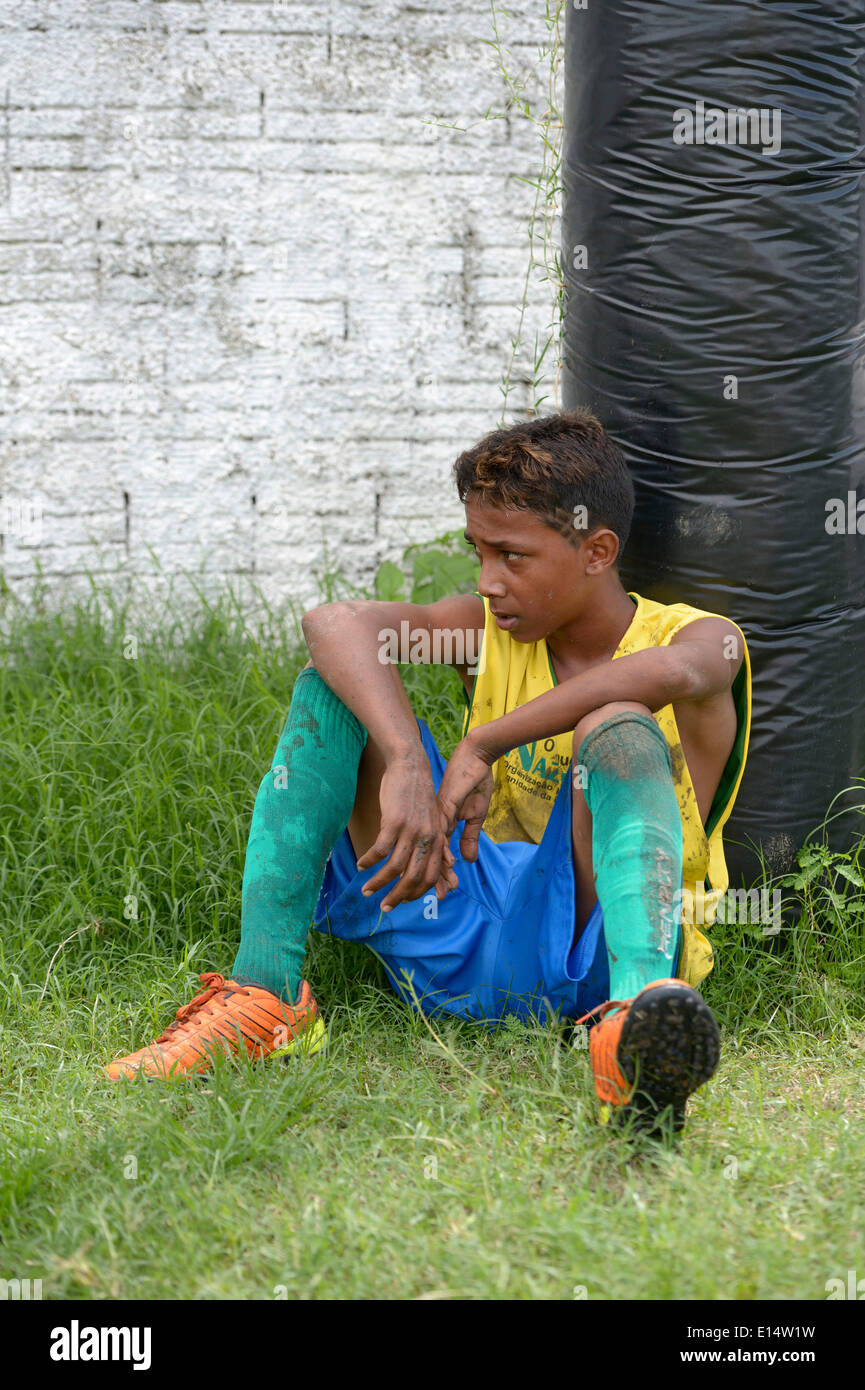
x,y
604,743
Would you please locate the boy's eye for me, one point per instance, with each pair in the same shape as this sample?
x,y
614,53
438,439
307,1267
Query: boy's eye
x,y
508,554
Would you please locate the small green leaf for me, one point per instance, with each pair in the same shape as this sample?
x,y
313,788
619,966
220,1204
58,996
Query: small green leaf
x,y
438,574
846,872
389,582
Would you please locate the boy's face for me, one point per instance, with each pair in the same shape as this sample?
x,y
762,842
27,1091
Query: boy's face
x,y
535,580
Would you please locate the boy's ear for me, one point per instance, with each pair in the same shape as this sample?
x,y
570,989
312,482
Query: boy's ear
x,y
602,549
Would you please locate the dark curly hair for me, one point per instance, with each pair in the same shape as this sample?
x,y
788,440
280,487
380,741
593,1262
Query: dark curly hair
x,y
551,466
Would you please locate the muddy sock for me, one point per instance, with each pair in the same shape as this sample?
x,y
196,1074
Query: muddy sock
x,y
636,848
303,804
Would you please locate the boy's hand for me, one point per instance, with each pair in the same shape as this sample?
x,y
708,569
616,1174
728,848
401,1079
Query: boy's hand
x,y
412,832
465,792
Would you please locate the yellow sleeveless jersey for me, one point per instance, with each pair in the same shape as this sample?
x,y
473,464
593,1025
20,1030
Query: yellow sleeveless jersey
x,y
527,779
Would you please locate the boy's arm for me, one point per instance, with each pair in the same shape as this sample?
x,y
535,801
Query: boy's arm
x,y
700,662
352,649
692,667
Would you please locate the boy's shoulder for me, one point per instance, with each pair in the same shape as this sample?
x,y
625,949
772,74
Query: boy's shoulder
x,y
659,624
669,619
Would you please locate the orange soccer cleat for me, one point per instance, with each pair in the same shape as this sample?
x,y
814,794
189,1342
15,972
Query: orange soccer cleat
x,y
653,1053
226,1017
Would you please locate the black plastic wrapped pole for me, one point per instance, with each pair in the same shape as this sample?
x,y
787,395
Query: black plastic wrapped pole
x,y
714,323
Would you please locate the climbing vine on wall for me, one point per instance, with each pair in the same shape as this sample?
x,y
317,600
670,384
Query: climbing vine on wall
x,y
538,98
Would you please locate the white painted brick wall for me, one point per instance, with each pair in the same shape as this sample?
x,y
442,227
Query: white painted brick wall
x,y
252,302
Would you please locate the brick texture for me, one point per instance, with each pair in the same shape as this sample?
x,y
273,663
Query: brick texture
x,y
256,291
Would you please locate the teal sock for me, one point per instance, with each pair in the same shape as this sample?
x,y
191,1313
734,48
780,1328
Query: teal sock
x,y
303,805
636,848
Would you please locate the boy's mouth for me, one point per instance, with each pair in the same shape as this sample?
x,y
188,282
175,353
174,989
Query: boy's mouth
x,y
505,620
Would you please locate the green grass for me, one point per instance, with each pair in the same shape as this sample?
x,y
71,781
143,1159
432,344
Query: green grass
x,y
405,1163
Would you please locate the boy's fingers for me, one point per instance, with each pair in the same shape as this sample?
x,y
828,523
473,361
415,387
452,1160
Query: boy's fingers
x,y
378,851
389,871
469,838
434,866
446,884
409,862
410,886
448,809
423,871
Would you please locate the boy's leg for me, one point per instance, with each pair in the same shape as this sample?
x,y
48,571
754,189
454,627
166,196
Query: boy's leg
x,y
627,842
365,821
303,805
652,1052
318,778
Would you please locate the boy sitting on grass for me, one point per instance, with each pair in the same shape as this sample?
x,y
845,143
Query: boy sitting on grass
x,y
557,865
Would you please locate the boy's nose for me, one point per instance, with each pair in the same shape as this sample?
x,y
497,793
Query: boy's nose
x,y
489,586
490,583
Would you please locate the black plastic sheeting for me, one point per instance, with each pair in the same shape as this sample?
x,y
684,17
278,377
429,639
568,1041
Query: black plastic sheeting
x,y
705,262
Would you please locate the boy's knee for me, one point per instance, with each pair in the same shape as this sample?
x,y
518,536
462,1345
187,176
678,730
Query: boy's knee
x,y
316,712
603,712
624,740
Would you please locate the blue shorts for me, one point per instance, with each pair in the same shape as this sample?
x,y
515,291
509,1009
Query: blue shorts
x,y
499,944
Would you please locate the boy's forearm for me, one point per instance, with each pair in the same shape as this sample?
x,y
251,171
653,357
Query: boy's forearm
x,y
653,678
343,643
